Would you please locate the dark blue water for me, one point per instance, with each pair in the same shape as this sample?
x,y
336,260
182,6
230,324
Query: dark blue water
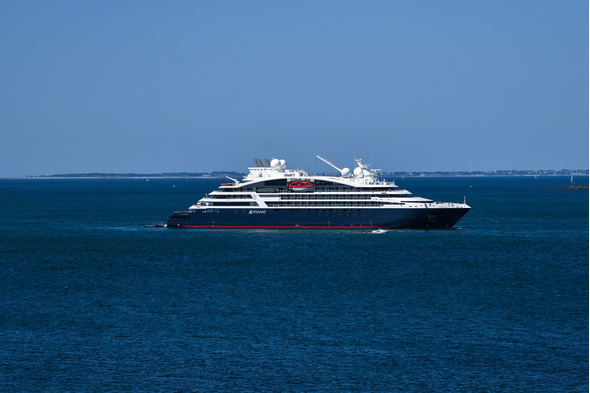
x,y
92,301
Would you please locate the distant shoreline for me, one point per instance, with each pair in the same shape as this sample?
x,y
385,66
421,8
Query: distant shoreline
x,y
221,175
108,177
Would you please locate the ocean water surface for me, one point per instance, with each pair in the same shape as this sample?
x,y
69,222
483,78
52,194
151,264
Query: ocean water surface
x,y
93,301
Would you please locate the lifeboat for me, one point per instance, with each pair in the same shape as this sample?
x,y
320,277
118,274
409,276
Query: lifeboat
x,y
227,184
301,186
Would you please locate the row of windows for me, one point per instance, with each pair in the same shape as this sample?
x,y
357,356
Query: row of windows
x,y
223,196
216,211
310,211
236,211
332,196
290,210
302,203
307,195
261,188
354,189
234,204
267,190
322,204
322,211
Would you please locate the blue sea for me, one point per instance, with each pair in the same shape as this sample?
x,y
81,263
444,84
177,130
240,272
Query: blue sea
x,y
93,301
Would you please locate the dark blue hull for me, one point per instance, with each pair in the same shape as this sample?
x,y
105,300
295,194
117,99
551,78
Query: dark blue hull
x,y
318,218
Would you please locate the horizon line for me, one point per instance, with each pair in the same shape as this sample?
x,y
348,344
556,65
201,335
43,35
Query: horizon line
x,y
214,174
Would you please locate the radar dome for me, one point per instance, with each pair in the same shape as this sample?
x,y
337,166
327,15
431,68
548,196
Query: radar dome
x,y
358,172
275,164
283,164
345,172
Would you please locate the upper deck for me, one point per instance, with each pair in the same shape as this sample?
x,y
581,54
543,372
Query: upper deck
x,y
361,177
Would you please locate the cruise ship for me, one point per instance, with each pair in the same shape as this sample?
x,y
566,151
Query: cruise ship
x,y
272,196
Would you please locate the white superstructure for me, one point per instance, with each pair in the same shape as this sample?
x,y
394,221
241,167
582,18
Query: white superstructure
x,y
272,186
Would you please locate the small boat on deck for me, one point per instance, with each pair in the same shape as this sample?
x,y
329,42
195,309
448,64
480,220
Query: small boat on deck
x,y
301,186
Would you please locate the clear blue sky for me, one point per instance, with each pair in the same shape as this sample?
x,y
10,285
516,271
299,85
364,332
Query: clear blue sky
x,y
159,86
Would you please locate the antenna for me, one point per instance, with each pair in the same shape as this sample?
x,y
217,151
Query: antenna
x,y
267,162
360,164
258,163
